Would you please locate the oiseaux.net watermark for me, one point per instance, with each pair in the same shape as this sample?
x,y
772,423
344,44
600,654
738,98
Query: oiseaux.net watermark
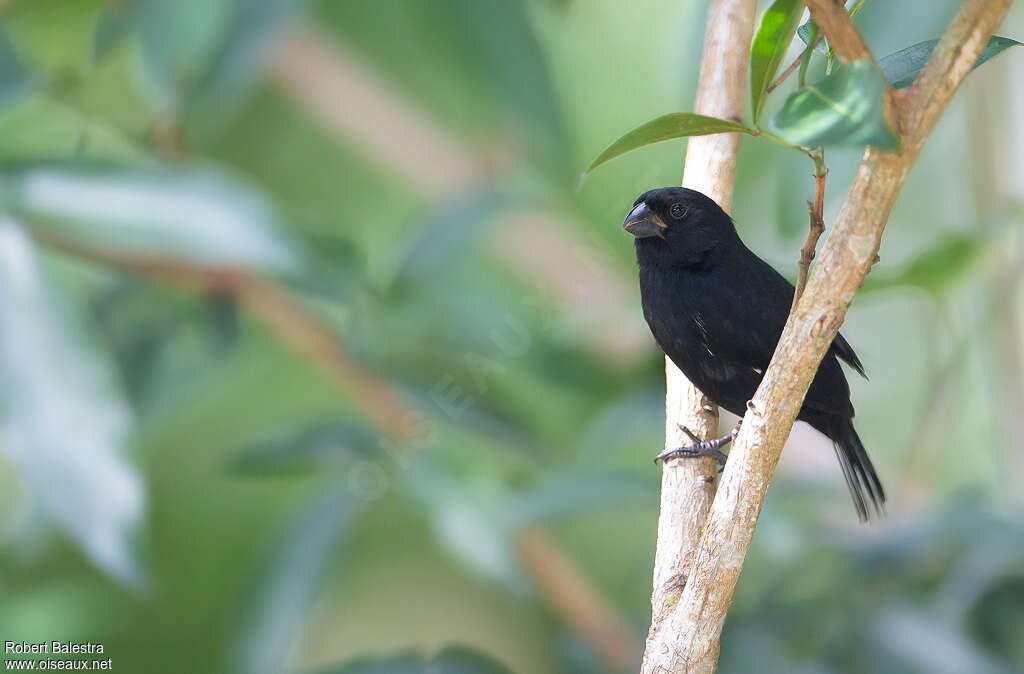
x,y
55,656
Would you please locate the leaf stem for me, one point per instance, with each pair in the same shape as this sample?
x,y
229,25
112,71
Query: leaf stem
x,y
758,131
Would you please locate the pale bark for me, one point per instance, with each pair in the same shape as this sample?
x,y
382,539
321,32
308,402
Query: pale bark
x,y
687,485
688,640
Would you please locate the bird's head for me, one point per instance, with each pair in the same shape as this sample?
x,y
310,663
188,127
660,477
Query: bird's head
x,y
678,225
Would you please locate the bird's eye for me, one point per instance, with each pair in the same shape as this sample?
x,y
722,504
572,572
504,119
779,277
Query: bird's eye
x,y
677,210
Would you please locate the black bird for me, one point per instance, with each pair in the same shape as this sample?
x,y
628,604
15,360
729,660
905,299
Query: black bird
x,y
718,310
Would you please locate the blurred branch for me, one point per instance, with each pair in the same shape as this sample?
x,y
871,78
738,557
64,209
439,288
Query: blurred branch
x,y
283,313
688,485
993,163
560,581
695,626
352,105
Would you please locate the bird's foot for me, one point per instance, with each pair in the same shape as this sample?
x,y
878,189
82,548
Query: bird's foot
x,y
699,448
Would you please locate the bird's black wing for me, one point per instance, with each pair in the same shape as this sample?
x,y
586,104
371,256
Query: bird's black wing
x,y
748,325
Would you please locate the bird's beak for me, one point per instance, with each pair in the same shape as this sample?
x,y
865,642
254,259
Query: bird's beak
x,y
642,222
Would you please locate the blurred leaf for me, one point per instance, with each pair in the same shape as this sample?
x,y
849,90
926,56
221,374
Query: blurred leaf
x,y
123,314
559,495
221,314
195,214
114,24
40,127
451,231
178,41
202,52
304,450
773,36
997,618
469,519
451,660
844,108
804,32
926,644
61,421
902,68
53,37
307,550
935,270
15,79
406,663
333,269
666,127
463,660
238,56
473,529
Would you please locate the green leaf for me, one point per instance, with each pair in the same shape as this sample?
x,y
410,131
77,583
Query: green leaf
x,y
844,108
770,43
63,421
189,213
667,127
804,33
41,127
902,67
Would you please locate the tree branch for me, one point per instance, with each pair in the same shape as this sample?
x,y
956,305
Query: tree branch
x,y
845,260
688,485
834,22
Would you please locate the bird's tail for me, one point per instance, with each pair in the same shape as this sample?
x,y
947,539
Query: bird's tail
x,y
858,470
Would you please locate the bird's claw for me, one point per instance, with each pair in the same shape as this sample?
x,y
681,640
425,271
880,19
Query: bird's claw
x,y
694,451
690,434
698,449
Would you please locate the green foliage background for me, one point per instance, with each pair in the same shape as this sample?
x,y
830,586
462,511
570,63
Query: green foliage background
x,y
182,485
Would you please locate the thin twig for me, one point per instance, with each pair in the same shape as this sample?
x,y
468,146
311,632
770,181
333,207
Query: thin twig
x,y
792,67
817,224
